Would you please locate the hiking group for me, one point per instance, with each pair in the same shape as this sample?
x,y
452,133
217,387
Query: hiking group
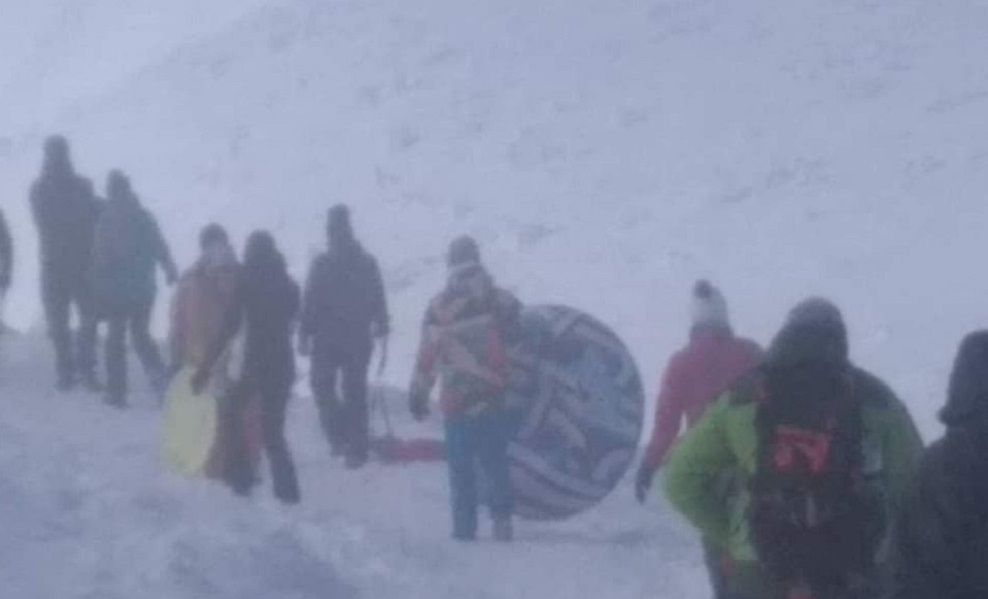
x,y
803,473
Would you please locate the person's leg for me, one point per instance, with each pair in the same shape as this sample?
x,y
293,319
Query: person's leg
x,y
283,476
493,435
462,477
323,376
116,359
357,417
55,296
86,341
145,346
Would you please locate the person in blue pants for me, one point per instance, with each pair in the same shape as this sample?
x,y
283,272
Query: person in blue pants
x,y
463,343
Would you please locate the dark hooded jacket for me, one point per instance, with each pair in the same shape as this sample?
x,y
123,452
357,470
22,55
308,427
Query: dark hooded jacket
x,y
344,293
271,306
127,249
942,536
65,210
809,355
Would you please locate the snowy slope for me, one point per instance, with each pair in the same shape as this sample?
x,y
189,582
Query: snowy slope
x,y
605,152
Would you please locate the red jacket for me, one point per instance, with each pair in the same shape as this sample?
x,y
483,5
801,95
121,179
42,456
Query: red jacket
x,y
696,376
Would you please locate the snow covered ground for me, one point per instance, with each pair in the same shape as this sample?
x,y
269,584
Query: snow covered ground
x,y
605,152
88,511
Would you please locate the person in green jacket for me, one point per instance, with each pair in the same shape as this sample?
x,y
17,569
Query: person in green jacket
x,y
728,439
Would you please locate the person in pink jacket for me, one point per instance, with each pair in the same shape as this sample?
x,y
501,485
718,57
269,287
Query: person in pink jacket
x,y
695,377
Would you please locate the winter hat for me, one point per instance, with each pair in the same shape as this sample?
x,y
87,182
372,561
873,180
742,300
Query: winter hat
x,y
814,331
463,250
213,234
57,157
709,306
118,186
967,397
339,227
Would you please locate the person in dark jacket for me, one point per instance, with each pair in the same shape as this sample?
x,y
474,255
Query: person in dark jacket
x,y
344,309
65,211
463,343
941,543
128,248
271,307
6,258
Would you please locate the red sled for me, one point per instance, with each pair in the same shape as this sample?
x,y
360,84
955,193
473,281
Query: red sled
x,y
389,449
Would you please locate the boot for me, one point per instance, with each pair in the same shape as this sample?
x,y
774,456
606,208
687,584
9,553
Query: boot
x,y
503,530
115,400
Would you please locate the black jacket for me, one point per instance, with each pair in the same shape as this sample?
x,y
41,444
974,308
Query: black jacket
x,y
271,305
942,536
344,297
65,210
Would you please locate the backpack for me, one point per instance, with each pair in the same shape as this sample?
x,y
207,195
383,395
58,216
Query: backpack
x,y
812,521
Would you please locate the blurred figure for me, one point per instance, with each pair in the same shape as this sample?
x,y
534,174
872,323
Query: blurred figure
x,y
463,342
344,309
207,316
942,535
65,212
696,376
271,307
825,452
6,261
128,248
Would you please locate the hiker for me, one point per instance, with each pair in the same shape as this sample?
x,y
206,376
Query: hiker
x,y
66,211
696,376
128,248
463,343
271,306
942,534
207,314
824,451
6,259
343,311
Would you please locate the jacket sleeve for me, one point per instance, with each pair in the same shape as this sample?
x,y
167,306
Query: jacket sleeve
x,y
693,470
6,254
427,359
903,449
310,301
668,415
379,299
162,252
923,565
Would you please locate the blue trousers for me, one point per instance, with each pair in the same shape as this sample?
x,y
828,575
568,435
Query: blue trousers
x,y
471,441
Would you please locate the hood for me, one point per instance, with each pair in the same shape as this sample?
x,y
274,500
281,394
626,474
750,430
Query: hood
x,y
814,333
339,230
967,396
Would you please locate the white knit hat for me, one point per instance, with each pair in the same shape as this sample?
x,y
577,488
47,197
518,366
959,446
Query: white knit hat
x,y
709,306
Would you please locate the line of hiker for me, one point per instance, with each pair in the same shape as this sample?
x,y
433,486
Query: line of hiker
x,y
803,473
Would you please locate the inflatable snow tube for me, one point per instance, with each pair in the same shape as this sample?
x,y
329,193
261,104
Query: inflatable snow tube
x,y
578,404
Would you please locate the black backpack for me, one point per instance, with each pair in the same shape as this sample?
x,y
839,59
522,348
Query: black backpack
x,y
811,519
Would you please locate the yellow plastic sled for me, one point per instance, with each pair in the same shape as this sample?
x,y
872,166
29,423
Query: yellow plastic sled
x,y
190,426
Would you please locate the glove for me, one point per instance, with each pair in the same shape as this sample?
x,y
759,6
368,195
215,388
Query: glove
x,y
643,482
418,404
199,380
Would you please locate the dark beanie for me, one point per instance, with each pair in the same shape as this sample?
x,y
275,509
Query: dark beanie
x,y
212,233
463,250
339,227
